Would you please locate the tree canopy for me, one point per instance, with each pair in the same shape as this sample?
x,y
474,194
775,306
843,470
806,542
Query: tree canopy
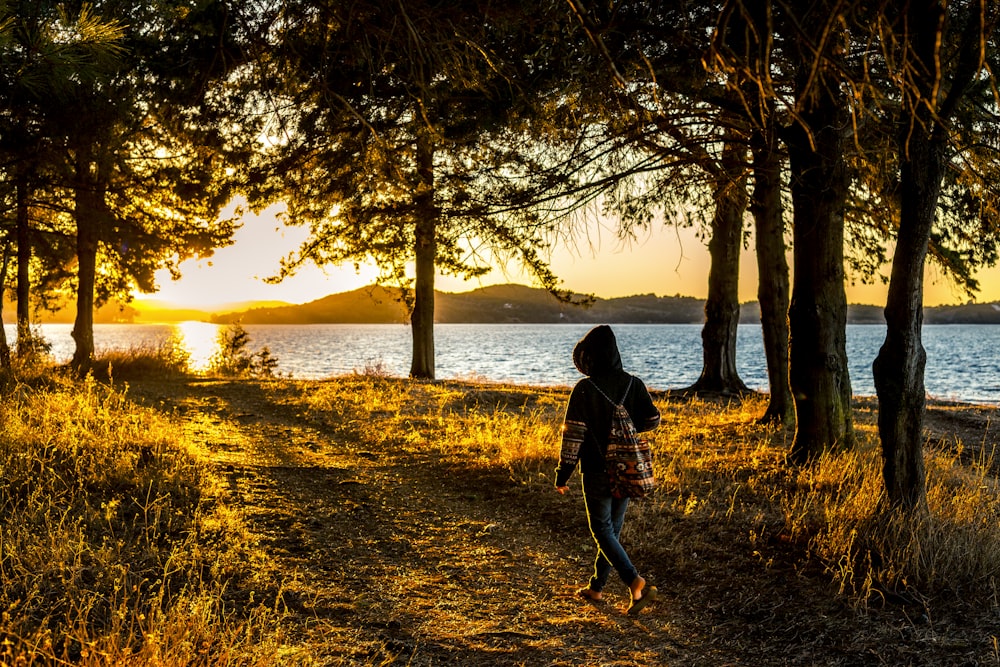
x,y
386,124
110,143
429,136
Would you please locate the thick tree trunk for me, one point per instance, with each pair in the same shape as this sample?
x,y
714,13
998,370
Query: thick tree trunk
x,y
4,345
89,213
83,326
817,315
23,223
772,271
425,255
722,308
899,367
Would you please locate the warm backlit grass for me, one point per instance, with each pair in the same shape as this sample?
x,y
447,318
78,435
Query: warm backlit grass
x,y
513,428
715,461
167,360
114,545
716,465
117,544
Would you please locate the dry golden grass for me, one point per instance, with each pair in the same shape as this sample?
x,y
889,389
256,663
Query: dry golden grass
x,y
114,545
119,545
714,460
716,464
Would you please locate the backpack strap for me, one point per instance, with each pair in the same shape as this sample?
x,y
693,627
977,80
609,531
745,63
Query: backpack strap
x,y
624,396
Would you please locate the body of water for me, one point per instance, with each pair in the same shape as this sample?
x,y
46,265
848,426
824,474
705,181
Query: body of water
x,y
963,361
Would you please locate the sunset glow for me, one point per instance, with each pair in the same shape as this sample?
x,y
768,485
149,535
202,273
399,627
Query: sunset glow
x,y
665,261
200,340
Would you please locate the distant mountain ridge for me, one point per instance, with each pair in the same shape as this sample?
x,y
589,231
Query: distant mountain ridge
x,y
508,303
494,304
513,303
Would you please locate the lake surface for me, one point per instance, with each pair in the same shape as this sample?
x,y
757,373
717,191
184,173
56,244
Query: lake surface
x,y
963,361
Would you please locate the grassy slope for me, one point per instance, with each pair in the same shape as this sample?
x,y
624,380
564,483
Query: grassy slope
x,y
366,520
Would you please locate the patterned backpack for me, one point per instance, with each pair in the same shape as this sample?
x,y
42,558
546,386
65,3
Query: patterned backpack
x,y
629,459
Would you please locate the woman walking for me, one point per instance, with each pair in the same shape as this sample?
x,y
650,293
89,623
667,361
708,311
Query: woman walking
x,y
586,431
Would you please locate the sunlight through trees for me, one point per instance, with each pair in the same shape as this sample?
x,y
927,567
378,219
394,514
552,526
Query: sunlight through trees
x,y
454,137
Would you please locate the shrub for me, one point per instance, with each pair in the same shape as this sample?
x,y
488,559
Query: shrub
x,y
234,357
170,359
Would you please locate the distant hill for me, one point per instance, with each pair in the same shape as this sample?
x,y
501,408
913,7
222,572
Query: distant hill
x,y
149,311
494,304
505,304
518,303
367,305
970,313
111,313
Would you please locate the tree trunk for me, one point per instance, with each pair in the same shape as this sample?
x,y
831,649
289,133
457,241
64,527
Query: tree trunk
x,y
425,255
4,345
89,211
772,270
817,315
83,326
899,367
722,308
24,335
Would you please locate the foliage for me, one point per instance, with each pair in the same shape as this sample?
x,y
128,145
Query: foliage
x,y
621,122
233,356
46,52
32,347
114,153
380,110
156,148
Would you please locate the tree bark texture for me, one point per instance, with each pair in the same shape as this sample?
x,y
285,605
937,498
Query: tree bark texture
x,y
23,222
722,307
425,255
899,367
772,270
817,315
4,344
89,213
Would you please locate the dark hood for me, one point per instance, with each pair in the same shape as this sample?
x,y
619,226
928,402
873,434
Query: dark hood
x,y
597,352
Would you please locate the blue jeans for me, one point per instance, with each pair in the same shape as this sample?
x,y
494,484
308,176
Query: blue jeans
x,y
606,516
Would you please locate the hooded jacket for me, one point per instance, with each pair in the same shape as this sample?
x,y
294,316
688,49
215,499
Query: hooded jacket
x,y
587,423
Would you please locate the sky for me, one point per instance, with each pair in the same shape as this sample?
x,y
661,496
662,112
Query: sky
x,y
665,261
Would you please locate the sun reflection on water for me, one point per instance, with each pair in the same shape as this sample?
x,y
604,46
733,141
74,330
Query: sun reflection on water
x,y
200,340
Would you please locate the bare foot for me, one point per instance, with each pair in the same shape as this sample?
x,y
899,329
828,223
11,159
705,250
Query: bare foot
x,y
640,596
590,594
635,588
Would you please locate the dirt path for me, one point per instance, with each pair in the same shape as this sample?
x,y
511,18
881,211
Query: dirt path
x,y
399,556
388,553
